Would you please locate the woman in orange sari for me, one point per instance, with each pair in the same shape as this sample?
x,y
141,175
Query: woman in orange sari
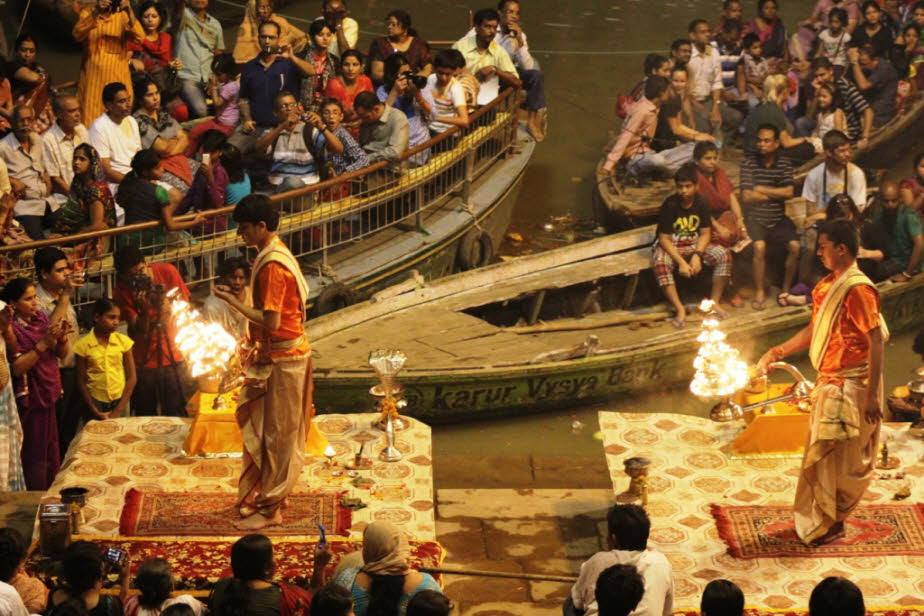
x,y
104,29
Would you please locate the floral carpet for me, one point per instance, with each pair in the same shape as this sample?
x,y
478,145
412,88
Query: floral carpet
x,y
884,611
754,532
193,513
198,563
692,469
111,457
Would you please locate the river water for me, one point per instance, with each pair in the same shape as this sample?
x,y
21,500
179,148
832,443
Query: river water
x,y
590,50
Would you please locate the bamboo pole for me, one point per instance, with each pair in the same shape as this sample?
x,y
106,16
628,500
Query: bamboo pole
x,y
538,577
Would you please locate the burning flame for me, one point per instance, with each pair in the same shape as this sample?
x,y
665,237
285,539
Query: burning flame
x,y
209,349
719,371
330,452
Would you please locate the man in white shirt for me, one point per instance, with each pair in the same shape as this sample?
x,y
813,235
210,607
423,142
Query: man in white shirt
x,y
706,87
835,176
21,150
116,137
486,59
629,527
59,141
346,30
512,38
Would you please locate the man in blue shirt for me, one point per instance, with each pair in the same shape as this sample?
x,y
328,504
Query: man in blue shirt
x,y
196,40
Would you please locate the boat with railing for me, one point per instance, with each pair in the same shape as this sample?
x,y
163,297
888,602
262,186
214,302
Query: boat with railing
x,y
356,233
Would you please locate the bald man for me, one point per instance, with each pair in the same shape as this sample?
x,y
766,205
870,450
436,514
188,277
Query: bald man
x,y
902,226
59,141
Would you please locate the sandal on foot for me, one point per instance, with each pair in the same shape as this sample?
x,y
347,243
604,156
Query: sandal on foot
x,y
758,305
677,323
720,314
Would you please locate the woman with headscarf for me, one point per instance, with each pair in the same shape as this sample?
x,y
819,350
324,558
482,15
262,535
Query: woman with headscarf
x,y
770,29
89,205
380,579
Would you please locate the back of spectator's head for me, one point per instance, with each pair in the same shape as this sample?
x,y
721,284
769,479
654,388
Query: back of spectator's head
x,y
429,603
918,345
393,67
653,62
332,600
366,101
836,596
841,205
776,88
144,162
444,59
484,15
702,148
686,174
628,526
212,141
655,86
12,552
839,14
822,62
71,607
155,582
691,27
459,59
252,555
178,609
229,266
722,598
111,90
224,63
126,257
254,209
82,566
834,139
841,232
619,590
45,259
233,162
749,39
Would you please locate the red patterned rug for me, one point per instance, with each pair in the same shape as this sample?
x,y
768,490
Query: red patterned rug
x,y
870,611
766,532
160,514
198,562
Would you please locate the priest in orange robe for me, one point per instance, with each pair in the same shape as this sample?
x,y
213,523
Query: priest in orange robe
x,y
275,406
845,338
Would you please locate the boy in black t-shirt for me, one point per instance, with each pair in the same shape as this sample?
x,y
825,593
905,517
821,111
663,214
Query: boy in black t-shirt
x,y
684,230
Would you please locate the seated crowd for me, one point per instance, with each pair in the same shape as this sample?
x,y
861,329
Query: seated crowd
x,y
285,109
845,72
630,577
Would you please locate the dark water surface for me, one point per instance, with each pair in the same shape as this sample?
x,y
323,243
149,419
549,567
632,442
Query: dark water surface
x,y
590,50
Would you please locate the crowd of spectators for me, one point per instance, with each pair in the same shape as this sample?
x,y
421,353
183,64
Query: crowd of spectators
x,y
821,92
282,102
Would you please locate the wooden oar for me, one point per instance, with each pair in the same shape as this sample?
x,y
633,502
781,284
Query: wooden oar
x,y
538,577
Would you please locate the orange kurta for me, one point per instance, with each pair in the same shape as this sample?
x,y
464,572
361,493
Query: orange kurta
x,y
848,346
105,57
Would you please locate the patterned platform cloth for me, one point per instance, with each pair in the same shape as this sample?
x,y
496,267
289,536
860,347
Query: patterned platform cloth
x,y
875,611
153,514
692,469
754,532
199,562
111,457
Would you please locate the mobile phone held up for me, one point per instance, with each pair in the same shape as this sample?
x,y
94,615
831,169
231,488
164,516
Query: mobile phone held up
x,y
115,557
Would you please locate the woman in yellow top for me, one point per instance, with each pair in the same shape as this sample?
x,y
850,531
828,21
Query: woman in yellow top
x,y
104,29
105,365
247,47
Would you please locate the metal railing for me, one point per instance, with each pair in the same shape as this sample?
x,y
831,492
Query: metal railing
x,y
316,220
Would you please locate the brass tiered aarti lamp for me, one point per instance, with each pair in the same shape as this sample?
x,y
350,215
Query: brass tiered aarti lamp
x,y
387,363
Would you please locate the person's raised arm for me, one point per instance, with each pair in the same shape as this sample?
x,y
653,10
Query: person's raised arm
x,y
85,23
302,66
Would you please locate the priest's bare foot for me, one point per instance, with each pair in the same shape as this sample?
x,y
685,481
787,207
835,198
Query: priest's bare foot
x,y
834,533
247,509
257,521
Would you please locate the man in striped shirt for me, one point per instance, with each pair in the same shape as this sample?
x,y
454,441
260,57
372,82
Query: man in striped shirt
x,y
859,113
766,183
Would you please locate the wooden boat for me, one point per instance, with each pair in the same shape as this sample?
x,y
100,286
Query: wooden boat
x,y
629,206
531,333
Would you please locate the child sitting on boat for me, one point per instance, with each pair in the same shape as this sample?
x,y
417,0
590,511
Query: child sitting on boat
x,y
684,243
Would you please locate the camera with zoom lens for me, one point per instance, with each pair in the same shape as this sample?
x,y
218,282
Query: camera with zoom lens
x,y
419,81
140,282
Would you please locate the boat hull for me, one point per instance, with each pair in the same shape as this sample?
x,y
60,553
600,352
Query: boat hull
x,y
454,396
